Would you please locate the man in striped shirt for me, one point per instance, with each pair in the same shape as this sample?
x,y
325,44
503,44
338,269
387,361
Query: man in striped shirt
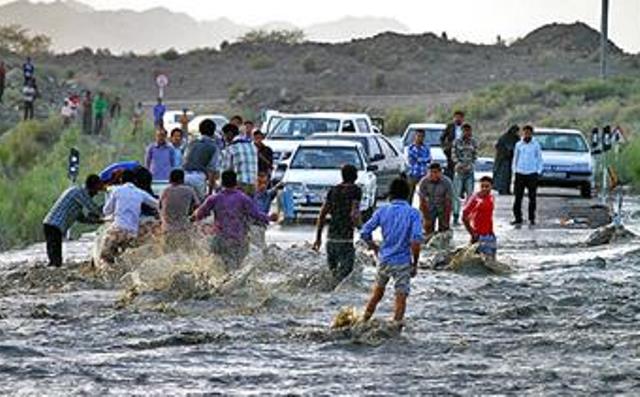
x,y
74,205
240,156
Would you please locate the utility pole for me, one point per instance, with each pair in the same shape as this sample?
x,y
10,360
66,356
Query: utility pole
x,y
604,38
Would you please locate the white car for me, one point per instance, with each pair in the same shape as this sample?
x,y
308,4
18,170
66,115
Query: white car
x,y
271,119
171,119
293,129
194,125
315,166
566,156
380,152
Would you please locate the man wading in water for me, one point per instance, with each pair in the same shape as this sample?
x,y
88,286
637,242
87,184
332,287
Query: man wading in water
x,y
233,212
398,256
343,204
478,218
66,211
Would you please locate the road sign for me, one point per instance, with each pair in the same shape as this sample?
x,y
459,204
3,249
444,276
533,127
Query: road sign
x,y
161,81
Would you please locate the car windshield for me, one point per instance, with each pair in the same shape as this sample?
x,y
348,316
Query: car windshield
x,y
326,158
431,136
301,128
560,142
346,137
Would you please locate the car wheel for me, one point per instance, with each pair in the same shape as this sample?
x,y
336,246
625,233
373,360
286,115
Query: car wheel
x,y
585,190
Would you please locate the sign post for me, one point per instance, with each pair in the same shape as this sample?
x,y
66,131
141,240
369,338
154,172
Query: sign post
x,y
162,80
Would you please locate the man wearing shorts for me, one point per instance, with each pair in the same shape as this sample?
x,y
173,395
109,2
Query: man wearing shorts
x,y
398,255
477,217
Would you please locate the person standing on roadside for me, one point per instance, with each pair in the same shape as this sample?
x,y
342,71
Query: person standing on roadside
x,y
343,205
184,125
504,159
452,132
138,117
158,113
177,143
74,205
398,256
477,217
28,70
3,77
265,154
87,113
201,162
240,156
160,157
100,106
419,155
465,154
115,109
249,127
29,93
528,166
436,195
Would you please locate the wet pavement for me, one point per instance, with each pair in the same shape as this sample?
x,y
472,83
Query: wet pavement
x,y
563,323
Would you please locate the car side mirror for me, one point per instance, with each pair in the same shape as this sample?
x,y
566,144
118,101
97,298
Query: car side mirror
x,y
372,167
378,157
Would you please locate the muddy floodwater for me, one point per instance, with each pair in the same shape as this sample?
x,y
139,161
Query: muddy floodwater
x,y
564,322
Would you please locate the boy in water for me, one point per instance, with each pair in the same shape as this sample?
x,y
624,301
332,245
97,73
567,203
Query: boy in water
x,y
264,196
398,256
477,217
176,205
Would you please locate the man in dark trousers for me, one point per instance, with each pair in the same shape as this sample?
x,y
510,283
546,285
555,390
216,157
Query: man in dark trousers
x,y
504,159
265,154
74,205
343,204
527,165
87,113
452,132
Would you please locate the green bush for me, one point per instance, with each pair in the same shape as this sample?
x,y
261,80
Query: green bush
x,y
261,61
309,64
170,55
396,120
29,189
273,37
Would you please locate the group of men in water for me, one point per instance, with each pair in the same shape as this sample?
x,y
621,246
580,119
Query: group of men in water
x,y
244,195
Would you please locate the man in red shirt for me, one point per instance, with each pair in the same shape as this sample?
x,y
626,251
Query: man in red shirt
x,y
478,218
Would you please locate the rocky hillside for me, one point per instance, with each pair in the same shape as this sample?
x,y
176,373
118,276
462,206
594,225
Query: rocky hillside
x,y
286,76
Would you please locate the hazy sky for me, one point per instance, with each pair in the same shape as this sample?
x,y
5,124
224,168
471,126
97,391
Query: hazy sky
x,y
472,20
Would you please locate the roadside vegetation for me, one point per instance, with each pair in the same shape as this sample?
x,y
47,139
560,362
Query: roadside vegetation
x,y
33,160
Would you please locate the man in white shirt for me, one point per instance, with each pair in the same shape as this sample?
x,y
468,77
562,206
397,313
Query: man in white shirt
x,y
124,204
527,166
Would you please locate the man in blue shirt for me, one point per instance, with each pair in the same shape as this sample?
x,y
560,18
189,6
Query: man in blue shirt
x,y
527,165
419,156
398,256
158,113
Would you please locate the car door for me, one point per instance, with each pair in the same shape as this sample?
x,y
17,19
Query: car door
x,y
377,158
393,158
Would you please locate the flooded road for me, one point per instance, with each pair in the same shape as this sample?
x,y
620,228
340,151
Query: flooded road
x,y
564,322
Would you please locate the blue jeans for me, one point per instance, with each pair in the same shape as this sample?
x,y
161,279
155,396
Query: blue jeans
x,y
287,204
462,183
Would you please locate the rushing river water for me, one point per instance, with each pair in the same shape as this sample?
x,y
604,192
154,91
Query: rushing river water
x,y
565,322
